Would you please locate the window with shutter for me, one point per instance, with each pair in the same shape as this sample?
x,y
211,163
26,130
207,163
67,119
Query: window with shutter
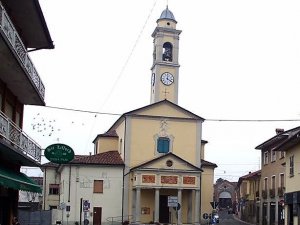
x,y
98,186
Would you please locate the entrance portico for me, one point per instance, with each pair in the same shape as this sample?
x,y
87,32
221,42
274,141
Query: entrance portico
x,y
152,184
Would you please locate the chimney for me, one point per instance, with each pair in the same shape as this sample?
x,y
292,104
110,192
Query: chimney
x,y
279,130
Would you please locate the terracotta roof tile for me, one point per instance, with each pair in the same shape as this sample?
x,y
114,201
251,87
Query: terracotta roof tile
x,y
206,163
105,158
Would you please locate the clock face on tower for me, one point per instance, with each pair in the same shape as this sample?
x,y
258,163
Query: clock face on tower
x,y
167,78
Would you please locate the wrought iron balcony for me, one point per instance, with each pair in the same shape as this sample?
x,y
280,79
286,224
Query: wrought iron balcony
x,y
12,134
8,30
264,194
272,193
281,191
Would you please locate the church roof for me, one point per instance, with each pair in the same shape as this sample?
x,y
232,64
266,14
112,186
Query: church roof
x,y
165,101
167,14
111,134
205,163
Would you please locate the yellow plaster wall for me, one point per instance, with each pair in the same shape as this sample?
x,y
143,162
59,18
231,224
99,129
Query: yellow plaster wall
x,y
143,143
207,190
105,144
165,110
292,183
147,200
121,133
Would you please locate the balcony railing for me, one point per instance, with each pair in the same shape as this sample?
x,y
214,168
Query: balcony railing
x,y
272,193
14,135
7,27
281,191
257,194
264,194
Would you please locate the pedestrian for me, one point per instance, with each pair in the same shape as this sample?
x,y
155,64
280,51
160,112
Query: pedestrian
x,y
15,221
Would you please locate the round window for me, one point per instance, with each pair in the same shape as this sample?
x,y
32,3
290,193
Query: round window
x,y
169,163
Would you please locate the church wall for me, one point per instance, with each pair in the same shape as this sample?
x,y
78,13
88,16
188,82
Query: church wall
x,y
121,142
143,139
147,205
105,144
165,111
207,190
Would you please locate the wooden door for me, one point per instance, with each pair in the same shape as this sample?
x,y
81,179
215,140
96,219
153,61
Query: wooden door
x,y
97,214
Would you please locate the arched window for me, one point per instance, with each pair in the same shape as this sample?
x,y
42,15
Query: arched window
x,y
163,145
167,52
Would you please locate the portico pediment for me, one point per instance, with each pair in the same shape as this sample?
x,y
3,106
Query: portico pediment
x,y
167,171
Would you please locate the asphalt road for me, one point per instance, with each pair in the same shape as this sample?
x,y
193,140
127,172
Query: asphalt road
x,y
228,219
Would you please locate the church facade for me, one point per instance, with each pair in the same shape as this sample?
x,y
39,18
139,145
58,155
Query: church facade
x,y
166,178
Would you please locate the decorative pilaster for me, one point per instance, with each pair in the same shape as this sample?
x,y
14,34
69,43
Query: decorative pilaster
x,y
156,209
179,195
197,207
138,205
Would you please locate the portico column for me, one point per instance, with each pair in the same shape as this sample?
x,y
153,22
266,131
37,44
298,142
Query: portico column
x,y
197,207
179,196
156,208
138,205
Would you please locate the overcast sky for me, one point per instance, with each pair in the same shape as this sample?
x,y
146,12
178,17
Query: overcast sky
x,y
239,60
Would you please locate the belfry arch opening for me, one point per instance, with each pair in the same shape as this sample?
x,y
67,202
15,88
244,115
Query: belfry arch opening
x,y
167,52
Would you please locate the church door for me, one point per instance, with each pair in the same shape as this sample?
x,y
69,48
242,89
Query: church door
x,y
163,209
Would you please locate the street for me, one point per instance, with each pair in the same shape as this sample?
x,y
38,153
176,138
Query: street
x,y
226,218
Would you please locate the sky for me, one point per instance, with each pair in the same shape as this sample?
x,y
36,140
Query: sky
x,y
239,60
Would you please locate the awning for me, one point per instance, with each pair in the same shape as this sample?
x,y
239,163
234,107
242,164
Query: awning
x,y
18,181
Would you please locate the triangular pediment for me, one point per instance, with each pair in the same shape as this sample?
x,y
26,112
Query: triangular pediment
x,y
164,108
167,162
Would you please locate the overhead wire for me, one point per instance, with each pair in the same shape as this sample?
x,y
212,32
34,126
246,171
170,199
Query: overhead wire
x,y
124,66
211,120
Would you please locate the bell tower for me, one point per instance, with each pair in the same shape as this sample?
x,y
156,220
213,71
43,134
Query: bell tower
x,y
165,67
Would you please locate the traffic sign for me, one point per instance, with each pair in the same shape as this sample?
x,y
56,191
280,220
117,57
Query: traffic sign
x,y
214,204
172,201
178,207
85,205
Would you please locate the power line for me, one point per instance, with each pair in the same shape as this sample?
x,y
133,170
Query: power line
x,y
210,120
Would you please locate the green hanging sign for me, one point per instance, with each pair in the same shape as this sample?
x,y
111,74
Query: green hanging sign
x,y
59,153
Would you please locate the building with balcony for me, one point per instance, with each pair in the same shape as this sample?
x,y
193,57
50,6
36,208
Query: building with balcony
x,y
248,197
272,184
288,142
22,28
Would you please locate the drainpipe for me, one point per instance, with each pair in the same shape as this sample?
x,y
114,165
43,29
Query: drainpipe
x,y
44,191
124,143
69,194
